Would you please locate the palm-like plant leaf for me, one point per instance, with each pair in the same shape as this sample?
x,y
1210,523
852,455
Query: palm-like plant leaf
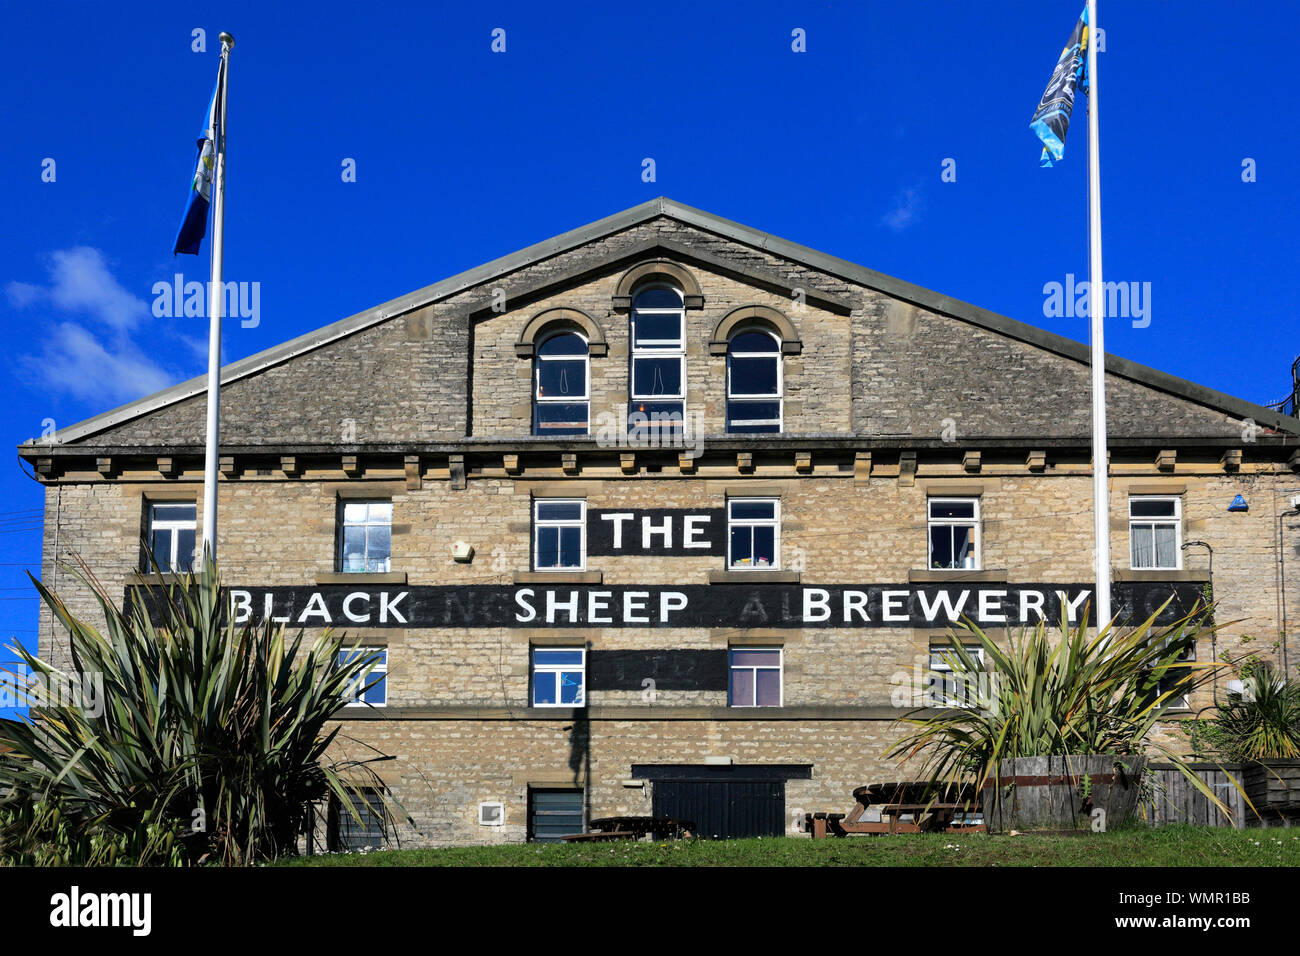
x,y
202,720
1076,695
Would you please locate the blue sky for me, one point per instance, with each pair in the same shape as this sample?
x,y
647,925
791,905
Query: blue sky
x,y
463,155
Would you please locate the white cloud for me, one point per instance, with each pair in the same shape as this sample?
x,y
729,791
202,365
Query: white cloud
x,y
81,282
75,361
21,294
906,210
99,367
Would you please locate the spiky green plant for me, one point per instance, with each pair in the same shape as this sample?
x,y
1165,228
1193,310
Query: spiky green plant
x,y
39,833
212,729
1075,695
1263,724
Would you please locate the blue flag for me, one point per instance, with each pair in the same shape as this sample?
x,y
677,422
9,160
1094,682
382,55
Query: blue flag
x,y
1052,118
195,224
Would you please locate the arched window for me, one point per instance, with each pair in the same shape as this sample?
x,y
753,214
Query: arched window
x,y
753,381
658,376
561,400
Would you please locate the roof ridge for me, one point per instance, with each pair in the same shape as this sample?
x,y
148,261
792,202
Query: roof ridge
x,y
709,222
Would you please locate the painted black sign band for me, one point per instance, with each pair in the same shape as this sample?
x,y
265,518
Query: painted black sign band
x,y
698,605
672,532
696,669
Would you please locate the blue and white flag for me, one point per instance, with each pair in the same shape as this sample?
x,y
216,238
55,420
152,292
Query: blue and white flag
x,y
1052,118
195,224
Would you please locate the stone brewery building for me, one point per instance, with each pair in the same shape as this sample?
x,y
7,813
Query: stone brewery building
x,y
667,515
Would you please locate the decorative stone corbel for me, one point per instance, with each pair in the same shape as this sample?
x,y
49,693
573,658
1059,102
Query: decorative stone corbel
x,y
907,468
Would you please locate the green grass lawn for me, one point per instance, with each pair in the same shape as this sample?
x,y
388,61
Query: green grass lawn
x,y
1168,846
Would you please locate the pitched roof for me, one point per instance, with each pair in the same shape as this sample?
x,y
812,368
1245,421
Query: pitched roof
x,y
933,301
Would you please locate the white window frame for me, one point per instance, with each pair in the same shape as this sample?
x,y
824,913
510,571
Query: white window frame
x,y
773,522
534,669
779,397
939,666
538,359
580,523
780,670
977,544
174,528
367,524
657,348
1176,521
352,693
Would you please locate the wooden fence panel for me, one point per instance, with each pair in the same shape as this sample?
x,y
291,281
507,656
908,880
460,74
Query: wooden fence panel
x,y
1174,799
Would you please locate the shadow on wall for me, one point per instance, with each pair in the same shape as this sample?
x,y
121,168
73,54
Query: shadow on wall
x,y
580,759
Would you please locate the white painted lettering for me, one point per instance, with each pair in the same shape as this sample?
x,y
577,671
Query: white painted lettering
x,y
526,611
991,607
387,607
598,607
931,608
665,530
347,607
241,606
315,608
635,601
816,604
855,602
690,531
1034,598
1077,603
670,601
618,518
891,606
571,605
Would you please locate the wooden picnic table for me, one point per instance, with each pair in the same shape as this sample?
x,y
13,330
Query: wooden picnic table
x,y
632,828
645,826
602,836
930,808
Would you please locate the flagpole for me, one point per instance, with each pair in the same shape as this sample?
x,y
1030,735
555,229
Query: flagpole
x,y
215,307
1096,300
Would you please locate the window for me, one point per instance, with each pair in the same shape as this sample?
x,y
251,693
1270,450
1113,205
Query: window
x,y
754,382
366,536
1154,528
561,371
348,834
371,689
554,814
559,676
755,678
950,691
954,533
171,536
658,391
753,533
559,534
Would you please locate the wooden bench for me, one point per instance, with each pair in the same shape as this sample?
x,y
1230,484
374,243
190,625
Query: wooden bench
x,y
600,836
632,828
894,801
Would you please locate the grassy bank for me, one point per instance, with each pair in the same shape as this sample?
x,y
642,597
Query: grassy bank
x,y
1169,846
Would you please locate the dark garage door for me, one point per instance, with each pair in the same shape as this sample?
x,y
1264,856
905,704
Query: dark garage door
x,y
724,809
